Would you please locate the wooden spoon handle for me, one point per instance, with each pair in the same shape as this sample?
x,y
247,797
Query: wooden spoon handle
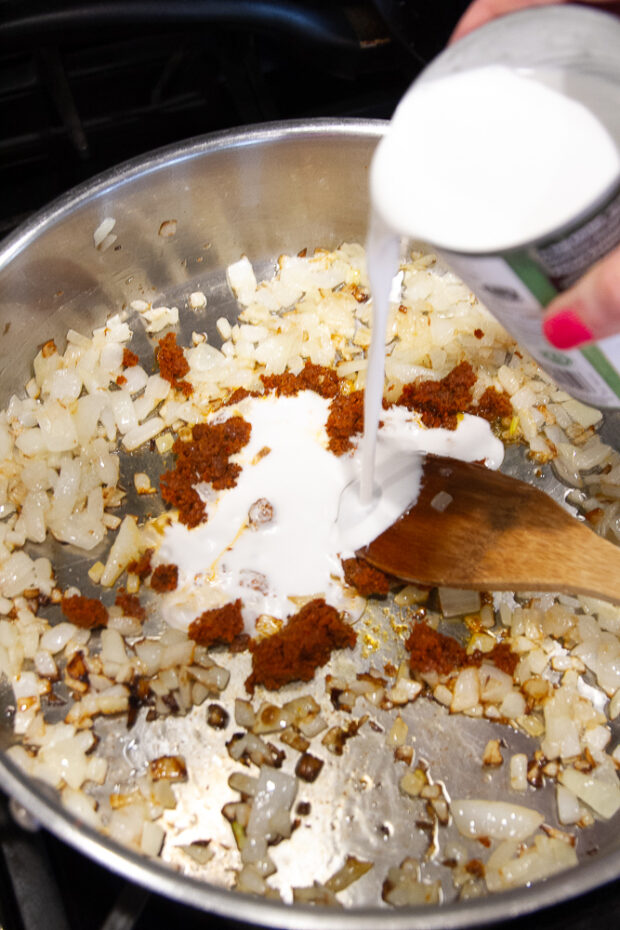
x,y
497,533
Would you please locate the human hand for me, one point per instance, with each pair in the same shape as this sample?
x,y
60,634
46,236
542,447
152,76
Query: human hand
x,y
480,12
590,309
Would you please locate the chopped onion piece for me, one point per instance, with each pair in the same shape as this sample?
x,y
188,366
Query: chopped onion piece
x,y
200,851
547,856
441,501
350,872
498,820
457,601
242,281
518,772
602,796
104,228
197,300
152,839
275,793
125,547
403,886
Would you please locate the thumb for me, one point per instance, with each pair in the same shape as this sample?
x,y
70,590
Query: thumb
x,y
589,310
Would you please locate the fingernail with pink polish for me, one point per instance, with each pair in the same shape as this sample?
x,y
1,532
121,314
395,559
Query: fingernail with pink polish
x,y
565,330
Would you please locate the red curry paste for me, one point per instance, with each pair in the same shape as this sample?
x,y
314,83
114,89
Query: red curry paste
x,y
493,406
318,378
130,605
220,625
142,566
173,364
129,358
204,458
440,402
238,395
346,418
365,578
86,612
165,578
431,651
298,649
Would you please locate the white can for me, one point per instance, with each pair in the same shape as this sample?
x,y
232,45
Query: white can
x,y
527,226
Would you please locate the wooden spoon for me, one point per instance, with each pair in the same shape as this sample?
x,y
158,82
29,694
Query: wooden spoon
x,y
496,534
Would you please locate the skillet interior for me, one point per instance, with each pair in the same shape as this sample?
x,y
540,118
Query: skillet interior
x,y
260,192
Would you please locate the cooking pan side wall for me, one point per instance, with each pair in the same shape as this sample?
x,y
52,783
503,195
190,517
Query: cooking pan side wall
x,y
258,192
276,188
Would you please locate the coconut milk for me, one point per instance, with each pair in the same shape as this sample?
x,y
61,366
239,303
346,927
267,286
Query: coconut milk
x,y
513,175
297,551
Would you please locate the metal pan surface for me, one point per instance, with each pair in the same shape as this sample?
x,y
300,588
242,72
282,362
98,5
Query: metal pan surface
x,y
260,192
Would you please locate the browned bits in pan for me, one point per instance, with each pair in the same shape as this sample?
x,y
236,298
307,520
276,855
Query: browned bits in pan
x,y
217,717
308,767
171,768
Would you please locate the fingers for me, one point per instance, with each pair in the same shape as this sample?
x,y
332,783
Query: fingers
x,y
590,310
482,11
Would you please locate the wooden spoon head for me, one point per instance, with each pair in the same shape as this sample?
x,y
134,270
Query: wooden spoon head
x,y
496,533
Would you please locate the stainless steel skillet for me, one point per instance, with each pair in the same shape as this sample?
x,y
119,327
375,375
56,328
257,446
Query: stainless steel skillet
x,y
261,192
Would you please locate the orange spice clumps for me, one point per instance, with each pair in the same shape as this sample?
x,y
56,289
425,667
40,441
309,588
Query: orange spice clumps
x,y
346,411
165,578
298,649
86,612
130,605
220,625
129,358
173,364
142,566
365,578
204,458
345,419
440,402
430,651
238,395
504,658
493,406
318,378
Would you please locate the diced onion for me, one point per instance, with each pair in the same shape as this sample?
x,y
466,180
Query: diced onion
x,y
498,820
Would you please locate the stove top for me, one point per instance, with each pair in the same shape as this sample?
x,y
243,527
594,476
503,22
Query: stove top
x,y
84,86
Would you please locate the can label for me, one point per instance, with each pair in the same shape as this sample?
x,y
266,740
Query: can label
x,y
518,285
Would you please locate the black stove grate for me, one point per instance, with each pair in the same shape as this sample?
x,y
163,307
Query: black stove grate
x,y
85,90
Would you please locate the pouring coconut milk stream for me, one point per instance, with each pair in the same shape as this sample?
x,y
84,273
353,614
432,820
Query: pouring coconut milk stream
x,y
477,164
486,165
